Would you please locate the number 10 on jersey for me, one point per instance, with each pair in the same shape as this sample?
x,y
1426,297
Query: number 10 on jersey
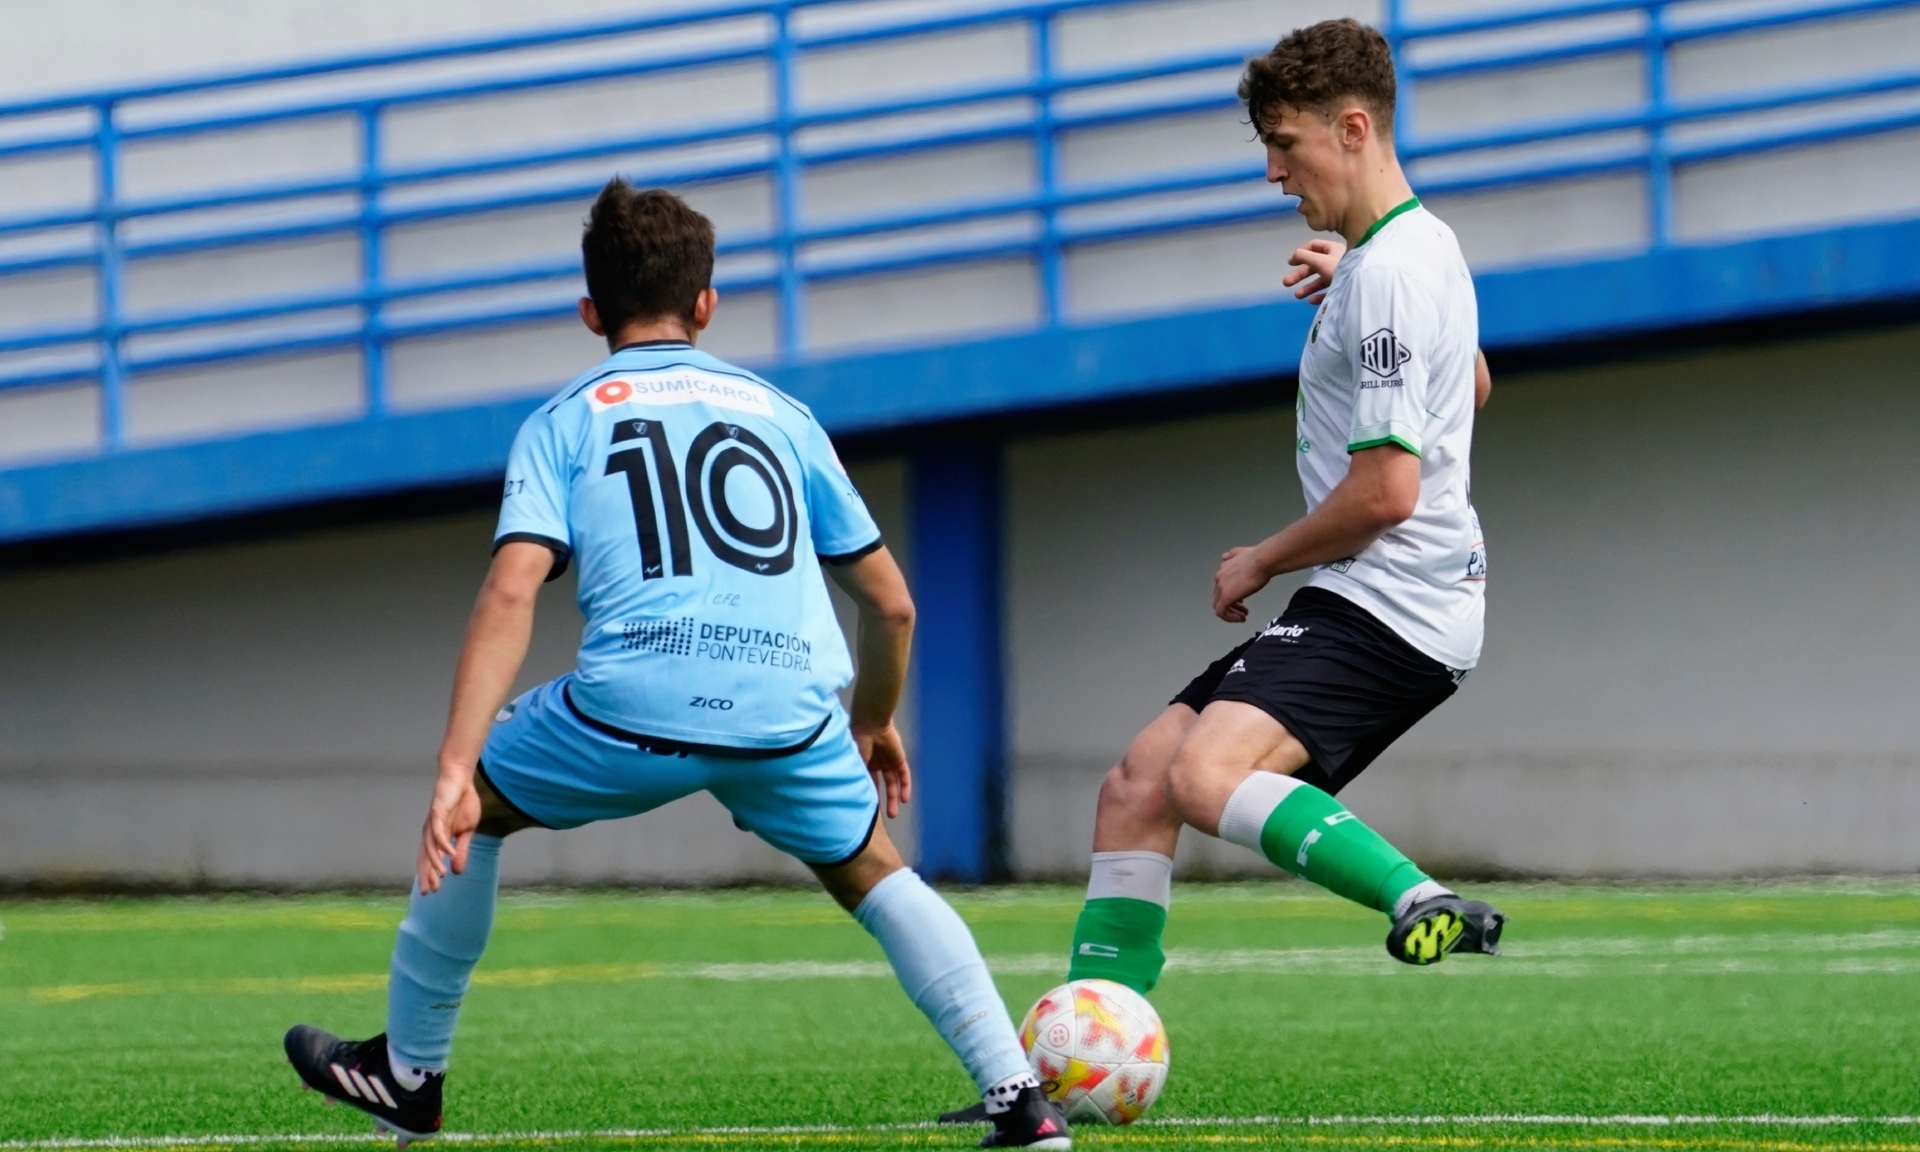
x,y
642,453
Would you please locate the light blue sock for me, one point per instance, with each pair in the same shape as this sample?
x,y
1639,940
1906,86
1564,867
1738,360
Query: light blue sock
x,y
440,941
940,967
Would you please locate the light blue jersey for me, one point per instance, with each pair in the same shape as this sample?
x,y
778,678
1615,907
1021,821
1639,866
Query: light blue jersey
x,y
698,502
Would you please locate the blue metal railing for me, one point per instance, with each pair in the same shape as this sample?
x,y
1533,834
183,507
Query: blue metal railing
x,y
382,194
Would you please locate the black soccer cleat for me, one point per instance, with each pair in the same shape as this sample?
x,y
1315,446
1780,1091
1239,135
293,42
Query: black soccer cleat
x,y
1428,931
1032,1121
974,1113
356,1073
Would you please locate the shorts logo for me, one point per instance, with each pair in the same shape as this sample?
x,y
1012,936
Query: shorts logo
x,y
1382,353
1286,633
1238,666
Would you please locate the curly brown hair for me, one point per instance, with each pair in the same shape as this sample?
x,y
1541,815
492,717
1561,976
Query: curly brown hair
x,y
1316,68
647,255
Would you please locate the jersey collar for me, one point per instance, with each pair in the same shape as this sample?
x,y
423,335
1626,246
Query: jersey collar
x,y
639,344
1401,209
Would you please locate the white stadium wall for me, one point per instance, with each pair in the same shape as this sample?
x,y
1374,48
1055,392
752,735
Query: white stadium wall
x,y
1701,619
90,43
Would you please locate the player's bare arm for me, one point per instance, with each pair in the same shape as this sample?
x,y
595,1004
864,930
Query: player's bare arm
x,y
882,648
1381,488
497,637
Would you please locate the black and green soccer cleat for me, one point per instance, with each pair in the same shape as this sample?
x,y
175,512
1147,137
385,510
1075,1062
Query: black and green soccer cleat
x,y
1428,931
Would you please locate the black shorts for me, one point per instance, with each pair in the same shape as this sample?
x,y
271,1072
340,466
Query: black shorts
x,y
1342,682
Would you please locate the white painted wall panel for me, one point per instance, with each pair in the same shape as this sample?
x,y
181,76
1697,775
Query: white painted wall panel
x,y
219,278
1797,55
249,396
1176,272
967,299
1800,189
552,117
1548,223
490,363
1486,102
37,423
298,151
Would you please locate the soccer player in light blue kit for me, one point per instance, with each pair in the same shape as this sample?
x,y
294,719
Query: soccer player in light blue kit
x,y
700,504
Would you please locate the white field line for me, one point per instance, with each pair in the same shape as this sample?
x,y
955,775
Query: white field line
x,y
554,1136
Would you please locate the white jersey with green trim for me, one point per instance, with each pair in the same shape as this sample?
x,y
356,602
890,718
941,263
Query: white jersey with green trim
x,y
1389,360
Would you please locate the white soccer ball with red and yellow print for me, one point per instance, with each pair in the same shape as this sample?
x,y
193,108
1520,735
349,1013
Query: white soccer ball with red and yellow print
x,y
1100,1050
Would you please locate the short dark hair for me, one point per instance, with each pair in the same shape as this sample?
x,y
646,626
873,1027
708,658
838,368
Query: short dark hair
x,y
1317,67
647,255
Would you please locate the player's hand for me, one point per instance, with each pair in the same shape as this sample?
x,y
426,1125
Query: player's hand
x,y
1313,264
1240,575
886,758
448,833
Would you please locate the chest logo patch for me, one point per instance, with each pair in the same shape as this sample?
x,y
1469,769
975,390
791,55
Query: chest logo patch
x,y
1382,353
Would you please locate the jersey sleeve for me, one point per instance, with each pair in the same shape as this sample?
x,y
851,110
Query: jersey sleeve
x,y
1394,332
843,529
533,508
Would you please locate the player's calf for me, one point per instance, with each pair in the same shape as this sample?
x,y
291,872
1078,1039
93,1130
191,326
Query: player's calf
x,y
1129,886
940,969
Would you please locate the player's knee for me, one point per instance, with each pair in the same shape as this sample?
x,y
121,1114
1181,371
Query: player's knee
x,y
1190,786
1131,789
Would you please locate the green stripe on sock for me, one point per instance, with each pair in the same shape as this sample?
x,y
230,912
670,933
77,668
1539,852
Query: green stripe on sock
x,y
1313,836
1118,939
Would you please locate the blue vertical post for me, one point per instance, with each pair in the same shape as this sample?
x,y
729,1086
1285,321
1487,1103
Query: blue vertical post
x,y
1659,167
788,322
1047,165
373,347
110,270
1396,34
959,782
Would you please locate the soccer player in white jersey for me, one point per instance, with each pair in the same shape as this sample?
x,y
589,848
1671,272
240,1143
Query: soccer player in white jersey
x,y
1254,749
702,506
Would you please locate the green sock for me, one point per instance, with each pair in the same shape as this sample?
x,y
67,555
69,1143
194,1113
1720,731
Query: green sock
x,y
1118,936
1118,939
1312,835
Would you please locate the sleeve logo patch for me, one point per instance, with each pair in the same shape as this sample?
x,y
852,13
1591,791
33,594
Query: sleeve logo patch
x,y
681,388
1382,353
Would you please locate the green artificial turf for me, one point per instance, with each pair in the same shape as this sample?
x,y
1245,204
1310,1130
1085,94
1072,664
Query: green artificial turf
x,y
664,1016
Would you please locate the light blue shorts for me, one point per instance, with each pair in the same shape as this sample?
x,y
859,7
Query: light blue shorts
x,y
817,804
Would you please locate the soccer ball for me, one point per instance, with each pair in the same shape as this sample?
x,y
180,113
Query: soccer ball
x,y
1100,1050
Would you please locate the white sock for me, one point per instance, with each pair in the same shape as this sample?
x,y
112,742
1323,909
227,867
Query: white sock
x,y
405,1075
999,1097
1135,875
941,971
1246,812
1425,890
